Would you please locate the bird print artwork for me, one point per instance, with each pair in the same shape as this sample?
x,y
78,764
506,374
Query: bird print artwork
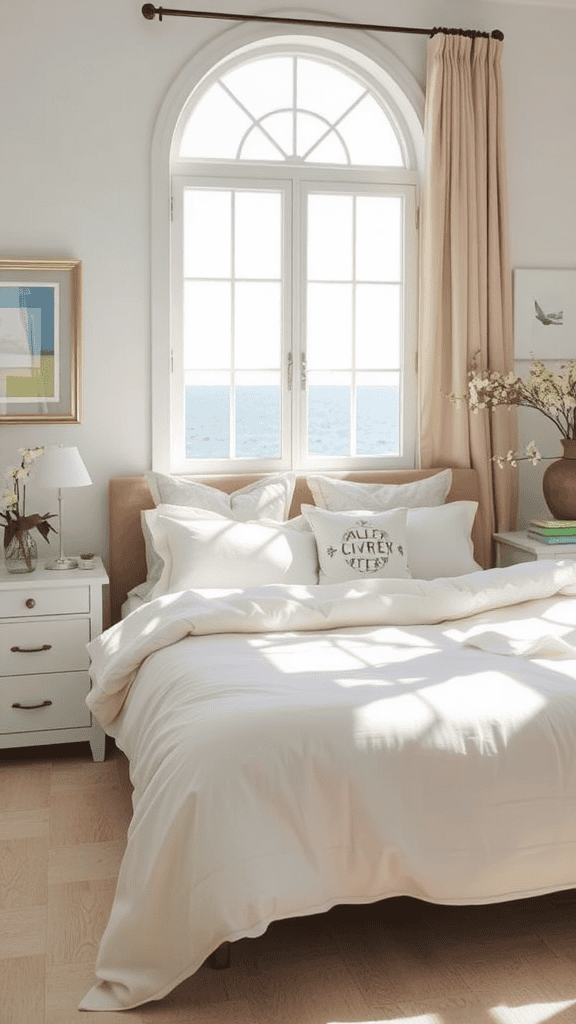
x,y
548,318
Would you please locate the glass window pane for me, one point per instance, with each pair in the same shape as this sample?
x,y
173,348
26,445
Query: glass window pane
x,y
378,326
257,146
215,126
330,151
207,232
329,326
280,126
257,325
330,238
309,129
378,238
325,89
263,85
378,414
370,136
257,416
207,419
258,234
329,414
207,325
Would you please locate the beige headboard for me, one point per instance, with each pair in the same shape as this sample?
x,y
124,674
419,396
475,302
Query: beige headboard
x,y
129,495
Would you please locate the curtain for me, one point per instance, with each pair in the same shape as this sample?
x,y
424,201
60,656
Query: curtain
x,y
465,291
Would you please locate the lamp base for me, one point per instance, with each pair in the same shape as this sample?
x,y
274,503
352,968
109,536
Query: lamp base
x,y
62,563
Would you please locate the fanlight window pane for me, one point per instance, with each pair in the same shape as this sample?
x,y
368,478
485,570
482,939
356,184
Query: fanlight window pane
x,y
251,113
324,89
274,73
370,137
215,127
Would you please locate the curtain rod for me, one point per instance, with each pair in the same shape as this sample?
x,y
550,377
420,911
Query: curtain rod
x,y
149,12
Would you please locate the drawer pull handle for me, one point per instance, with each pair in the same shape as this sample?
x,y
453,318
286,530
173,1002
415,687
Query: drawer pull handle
x,y
30,603
31,650
32,707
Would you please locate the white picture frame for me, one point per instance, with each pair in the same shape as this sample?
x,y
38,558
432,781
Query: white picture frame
x,y
544,314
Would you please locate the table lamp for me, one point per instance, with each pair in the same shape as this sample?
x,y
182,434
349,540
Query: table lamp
x,y
61,466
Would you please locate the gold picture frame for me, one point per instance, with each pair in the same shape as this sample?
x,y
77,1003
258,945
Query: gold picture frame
x,y
40,341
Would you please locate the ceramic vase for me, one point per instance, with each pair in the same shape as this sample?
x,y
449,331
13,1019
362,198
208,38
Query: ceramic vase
x,y
559,483
21,553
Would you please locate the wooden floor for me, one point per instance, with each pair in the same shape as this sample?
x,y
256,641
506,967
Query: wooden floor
x,y
63,822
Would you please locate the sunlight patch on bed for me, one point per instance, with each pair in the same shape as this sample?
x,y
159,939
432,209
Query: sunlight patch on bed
x,y
423,1018
338,655
529,1013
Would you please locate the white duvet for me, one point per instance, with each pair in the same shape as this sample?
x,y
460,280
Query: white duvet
x,y
296,747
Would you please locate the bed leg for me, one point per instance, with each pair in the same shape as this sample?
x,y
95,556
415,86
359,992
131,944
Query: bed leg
x,y
220,958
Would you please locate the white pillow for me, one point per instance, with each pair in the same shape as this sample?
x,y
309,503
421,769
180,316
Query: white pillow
x,y
222,553
439,540
345,495
359,545
268,498
157,552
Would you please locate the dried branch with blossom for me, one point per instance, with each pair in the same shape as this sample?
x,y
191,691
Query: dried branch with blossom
x,y
549,392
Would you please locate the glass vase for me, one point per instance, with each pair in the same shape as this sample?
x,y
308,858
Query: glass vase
x,y
21,553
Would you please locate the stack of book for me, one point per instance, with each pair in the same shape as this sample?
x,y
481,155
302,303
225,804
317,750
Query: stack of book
x,y
553,531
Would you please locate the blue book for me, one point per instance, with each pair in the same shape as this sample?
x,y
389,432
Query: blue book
x,y
558,539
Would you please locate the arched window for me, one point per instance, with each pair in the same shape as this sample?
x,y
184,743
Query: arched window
x,y
293,268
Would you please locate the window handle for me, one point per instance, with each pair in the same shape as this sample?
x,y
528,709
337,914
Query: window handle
x,y
303,371
290,370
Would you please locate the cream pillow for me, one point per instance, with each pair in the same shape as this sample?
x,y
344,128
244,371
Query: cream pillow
x,y
220,553
359,545
269,498
344,495
439,540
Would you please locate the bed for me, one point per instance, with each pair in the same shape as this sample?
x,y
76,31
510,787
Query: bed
x,y
293,745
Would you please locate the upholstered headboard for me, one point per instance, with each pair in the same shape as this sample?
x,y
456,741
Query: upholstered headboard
x,y
128,496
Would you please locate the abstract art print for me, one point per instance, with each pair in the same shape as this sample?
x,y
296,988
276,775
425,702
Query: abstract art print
x,y
545,314
40,321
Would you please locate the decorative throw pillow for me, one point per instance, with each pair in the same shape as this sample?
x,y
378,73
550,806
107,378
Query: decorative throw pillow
x,y
337,495
268,498
359,545
439,540
221,553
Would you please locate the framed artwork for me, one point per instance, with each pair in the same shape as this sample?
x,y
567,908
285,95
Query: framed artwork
x,y
545,314
40,341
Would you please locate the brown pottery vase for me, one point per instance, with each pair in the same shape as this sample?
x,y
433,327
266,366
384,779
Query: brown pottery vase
x,y
559,483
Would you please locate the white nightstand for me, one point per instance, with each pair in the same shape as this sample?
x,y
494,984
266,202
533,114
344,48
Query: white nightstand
x,y
517,546
46,619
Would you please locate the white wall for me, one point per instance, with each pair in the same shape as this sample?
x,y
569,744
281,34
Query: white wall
x,y
81,84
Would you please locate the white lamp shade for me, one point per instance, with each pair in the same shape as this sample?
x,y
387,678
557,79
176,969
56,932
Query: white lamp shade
x,y
61,466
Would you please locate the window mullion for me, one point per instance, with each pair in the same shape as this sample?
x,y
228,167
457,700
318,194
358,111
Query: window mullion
x,y
353,332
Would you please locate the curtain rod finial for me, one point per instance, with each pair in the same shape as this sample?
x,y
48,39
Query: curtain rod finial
x,y
149,11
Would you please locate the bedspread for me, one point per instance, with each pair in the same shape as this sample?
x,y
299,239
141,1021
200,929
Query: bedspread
x,y
292,748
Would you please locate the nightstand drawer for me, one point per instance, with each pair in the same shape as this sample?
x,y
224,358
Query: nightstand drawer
x,y
50,702
49,645
43,601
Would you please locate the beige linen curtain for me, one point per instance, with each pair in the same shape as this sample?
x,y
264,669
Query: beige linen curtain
x,y
465,291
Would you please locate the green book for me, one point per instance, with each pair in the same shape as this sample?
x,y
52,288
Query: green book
x,y
553,525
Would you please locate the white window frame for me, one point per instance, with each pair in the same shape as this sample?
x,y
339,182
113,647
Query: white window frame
x,y
407,102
